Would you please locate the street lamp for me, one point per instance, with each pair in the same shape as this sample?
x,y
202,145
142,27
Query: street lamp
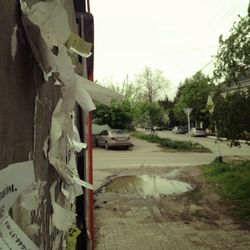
x,y
188,112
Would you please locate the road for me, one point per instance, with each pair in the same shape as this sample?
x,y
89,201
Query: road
x,y
146,155
209,142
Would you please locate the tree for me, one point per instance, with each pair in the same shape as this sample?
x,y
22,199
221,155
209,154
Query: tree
x,y
118,115
232,115
168,106
233,57
151,82
193,94
150,114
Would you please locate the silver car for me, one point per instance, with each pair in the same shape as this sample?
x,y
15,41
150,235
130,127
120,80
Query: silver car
x,y
197,132
113,138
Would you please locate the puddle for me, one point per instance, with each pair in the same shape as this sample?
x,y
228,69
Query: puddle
x,y
147,185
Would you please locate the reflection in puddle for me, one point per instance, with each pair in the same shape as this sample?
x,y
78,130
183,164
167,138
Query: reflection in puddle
x,y
147,185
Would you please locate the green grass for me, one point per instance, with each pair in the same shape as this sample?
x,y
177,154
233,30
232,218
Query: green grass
x,y
167,143
233,183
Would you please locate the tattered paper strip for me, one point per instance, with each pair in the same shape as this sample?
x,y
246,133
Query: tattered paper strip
x,y
30,199
14,43
40,49
83,99
52,19
12,237
65,67
77,44
62,218
98,93
57,122
13,181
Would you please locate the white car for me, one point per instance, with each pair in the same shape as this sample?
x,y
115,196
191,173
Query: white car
x,y
113,138
197,132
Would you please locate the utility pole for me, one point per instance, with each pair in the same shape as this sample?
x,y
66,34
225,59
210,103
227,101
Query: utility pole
x,y
188,112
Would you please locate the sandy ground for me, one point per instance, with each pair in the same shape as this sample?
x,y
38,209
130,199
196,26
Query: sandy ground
x,y
198,219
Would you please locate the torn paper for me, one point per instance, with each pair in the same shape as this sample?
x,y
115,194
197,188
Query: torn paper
x,y
79,146
57,122
13,238
14,43
13,181
52,19
83,99
77,44
98,93
62,218
46,147
65,67
40,50
67,174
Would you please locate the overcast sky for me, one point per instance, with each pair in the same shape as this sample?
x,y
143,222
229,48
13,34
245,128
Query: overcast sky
x,y
178,37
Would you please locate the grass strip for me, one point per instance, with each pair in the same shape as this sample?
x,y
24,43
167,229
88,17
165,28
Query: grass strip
x,y
233,183
168,143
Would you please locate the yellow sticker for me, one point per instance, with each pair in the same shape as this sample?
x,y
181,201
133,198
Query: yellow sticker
x,y
72,236
76,44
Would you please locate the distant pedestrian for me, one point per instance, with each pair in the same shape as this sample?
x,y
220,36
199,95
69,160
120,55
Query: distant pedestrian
x,y
152,130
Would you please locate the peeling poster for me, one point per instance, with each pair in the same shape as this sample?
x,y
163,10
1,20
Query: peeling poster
x,y
13,181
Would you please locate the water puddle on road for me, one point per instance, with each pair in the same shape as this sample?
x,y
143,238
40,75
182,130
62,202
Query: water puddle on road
x,y
147,185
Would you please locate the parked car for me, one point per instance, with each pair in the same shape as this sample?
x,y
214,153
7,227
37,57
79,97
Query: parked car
x,y
178,130
197,132
113,138
157,128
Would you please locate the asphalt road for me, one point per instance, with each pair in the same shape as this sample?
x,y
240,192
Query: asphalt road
x,y
145,154
209,142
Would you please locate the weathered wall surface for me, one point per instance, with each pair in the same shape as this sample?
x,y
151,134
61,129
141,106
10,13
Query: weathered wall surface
x,y
17,88
26,106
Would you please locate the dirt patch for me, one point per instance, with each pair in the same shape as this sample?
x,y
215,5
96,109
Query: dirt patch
x,y
200,209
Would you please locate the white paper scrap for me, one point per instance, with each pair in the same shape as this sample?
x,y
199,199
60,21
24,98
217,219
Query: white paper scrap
x,y
62,218
101,94
57,122
13,238
46,147
63,170
13,181
65,67
40,50
52,19
30,198
14,43
83,183
79,146
83,99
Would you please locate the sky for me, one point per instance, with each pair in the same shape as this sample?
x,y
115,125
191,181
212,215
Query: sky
x,y
178,37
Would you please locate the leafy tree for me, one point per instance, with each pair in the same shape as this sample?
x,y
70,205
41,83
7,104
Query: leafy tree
x,y
232,115
118,115
193,94
150,114
233,56
151,82
168,106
